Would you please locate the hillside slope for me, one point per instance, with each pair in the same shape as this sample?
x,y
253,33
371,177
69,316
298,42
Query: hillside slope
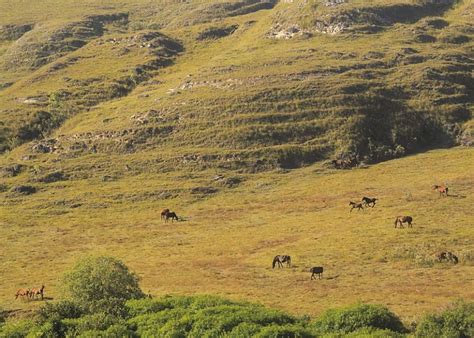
x,y
233,90
228,239
227,112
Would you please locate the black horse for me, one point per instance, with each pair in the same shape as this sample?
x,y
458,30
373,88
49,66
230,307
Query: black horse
x,y
280,259
317,270
357,206
171,215
370,202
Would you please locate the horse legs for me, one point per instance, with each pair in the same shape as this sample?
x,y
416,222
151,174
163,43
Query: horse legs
x,y
312,275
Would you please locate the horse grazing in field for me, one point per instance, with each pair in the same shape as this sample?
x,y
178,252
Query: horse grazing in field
x,y
370,202
171,215
35,292
317,270
22,293
403,219
443,190
339,164
164,212
280,259
448,257
357,206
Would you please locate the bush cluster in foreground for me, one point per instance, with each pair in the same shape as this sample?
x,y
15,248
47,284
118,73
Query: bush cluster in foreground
x,y
112,305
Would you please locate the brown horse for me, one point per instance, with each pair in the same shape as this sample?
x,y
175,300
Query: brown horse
x,y
403,219
317,270
357,206
22,293
443,190
164,212
171,215
280,259
448,257
34,292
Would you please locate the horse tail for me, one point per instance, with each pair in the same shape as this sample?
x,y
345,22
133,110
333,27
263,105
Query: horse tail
x,y
396,220
274,262
446,189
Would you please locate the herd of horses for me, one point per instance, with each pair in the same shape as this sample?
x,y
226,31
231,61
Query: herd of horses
x,y
280,260
33,293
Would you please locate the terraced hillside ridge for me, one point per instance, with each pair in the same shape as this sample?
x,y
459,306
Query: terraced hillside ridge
x,y
242,99
228,113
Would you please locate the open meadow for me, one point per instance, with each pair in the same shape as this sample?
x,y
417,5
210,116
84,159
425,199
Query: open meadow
x,y
227,242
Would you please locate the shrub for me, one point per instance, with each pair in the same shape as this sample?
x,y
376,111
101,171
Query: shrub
x,y
102,284
457,321
285,331
3,314
16,329
356,317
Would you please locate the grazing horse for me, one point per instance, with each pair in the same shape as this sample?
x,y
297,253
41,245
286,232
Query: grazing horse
x,y
280,259
164,212
403,219
357,206
317,270
171,215
443,190
37,292
368,201
447,256
22,293
339,164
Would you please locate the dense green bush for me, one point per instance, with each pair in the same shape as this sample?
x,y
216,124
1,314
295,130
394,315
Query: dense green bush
x,y
204,316
16,329
457,321
101,284
356,317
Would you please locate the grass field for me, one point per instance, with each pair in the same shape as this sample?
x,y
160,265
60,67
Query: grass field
x,y
228,240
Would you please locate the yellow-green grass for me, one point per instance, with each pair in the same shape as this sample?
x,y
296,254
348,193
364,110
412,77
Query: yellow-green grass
x,y
228,240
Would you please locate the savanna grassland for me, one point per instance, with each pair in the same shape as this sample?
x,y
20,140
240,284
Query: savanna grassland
x,y
227,113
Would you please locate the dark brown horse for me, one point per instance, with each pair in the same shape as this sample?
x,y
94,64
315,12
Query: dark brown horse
x,y
164,212
357,206
443,190
403,219
370,202
280,259
35,292
22,293
317,270
171,215
448,257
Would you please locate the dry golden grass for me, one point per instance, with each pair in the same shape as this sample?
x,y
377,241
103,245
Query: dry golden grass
x,y
228,241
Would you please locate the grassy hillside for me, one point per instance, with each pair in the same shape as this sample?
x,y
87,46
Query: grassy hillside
x,y
227,113
240,92
228,240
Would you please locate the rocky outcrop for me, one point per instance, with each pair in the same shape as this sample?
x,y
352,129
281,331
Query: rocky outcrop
x,y
14,32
